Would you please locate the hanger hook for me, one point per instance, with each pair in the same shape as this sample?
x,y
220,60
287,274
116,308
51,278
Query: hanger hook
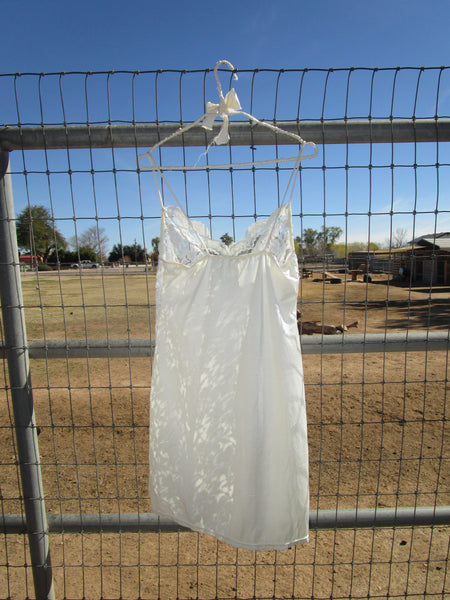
x,y
230,66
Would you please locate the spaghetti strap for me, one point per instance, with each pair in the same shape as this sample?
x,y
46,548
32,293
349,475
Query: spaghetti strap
x,y
291,182
293,177
163,207
155,167
290,188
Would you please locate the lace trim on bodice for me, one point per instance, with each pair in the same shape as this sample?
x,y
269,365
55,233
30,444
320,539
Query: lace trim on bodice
x,y
185,241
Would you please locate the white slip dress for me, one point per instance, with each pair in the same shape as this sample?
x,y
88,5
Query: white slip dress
x,y
228,435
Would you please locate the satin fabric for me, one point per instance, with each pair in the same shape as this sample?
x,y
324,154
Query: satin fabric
x,y
228,437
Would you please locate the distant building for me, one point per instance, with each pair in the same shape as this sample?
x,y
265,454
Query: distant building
x,y
429,258
374,261
425,260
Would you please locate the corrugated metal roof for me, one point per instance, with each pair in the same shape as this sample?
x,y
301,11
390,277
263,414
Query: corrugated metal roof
x,y
440,241
444,244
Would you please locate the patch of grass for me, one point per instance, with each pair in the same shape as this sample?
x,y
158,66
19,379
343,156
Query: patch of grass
x,y
92,306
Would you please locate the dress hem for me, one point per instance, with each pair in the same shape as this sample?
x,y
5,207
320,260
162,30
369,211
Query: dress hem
x,y
227,540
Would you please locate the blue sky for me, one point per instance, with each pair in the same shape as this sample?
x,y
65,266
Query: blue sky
x,y
50,36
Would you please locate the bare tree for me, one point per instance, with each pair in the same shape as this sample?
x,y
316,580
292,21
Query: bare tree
x,y
94,238
398,239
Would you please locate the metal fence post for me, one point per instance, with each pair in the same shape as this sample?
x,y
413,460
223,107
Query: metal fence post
x,y
21,392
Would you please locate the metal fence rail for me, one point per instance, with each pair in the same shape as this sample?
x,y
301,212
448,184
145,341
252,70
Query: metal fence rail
x,y
413,341
76,379
425,516
381,131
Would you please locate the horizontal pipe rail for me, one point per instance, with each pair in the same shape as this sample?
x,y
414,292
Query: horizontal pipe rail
x,y
241,134
424,516
417,341
410,341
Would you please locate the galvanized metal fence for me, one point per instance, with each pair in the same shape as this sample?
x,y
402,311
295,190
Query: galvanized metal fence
x,y
77,342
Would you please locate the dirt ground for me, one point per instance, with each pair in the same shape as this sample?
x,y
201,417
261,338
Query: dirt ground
x,y
378,437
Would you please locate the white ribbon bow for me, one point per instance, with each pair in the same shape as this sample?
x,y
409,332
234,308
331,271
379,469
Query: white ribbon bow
x,y
228,105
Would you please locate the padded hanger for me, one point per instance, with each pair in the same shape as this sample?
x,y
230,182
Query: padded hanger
x,y
228,105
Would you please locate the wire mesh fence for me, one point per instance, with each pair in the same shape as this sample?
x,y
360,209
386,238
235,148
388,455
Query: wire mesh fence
x,y
371,215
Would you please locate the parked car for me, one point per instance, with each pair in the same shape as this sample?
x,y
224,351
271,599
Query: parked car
x,y
84,264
